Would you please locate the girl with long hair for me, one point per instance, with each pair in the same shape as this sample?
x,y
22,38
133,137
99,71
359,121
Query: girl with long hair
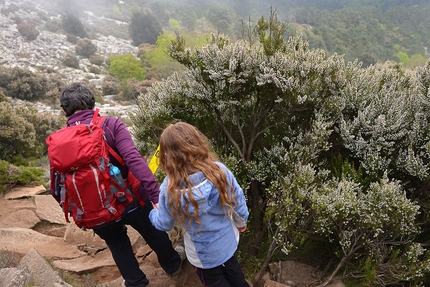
x,y
203,196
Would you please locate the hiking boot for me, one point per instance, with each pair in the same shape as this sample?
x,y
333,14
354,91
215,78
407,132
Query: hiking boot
x,y
180,248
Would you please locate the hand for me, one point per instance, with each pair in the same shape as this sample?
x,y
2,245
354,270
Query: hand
x,y
241,229
155,205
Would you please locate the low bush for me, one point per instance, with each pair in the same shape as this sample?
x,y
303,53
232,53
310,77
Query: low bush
x,y
27,175
111,85
4,165
23,84
2,96
28,31
71,38
12,175
16,18
12,8
51,27
96,60
132,88
70,61
85,48
24,131
95,70
42,15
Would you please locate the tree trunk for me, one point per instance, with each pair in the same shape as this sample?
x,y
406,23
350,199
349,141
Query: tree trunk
x,y
256,219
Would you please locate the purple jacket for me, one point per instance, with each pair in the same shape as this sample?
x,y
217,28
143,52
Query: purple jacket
x,y
118,137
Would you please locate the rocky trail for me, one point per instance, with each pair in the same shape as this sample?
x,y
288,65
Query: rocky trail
x,y
41,249
33,230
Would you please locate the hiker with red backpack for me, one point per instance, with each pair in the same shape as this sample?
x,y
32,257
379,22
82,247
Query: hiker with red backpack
x,y
84,156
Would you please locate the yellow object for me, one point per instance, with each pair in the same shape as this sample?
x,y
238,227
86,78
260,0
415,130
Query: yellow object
x,y
153,164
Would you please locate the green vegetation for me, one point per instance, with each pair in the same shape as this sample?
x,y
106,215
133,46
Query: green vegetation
x,y
328,152
174,25
368,30
51,27
72,38
111,85
11,175
23,84
126,67
16,133
23,131
156,59
363,30
221,16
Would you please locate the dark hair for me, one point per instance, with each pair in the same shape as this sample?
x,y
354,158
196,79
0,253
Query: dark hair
x,y
75,97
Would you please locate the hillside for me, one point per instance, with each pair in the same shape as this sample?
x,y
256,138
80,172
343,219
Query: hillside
x,y
370,31
45,55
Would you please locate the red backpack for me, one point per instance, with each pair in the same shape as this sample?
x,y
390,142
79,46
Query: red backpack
x,y
80,156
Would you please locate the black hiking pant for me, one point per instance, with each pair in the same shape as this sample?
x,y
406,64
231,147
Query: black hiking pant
x,y
228,274
115,235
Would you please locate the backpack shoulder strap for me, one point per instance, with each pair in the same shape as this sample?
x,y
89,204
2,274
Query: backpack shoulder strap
x,y
115,155
96,119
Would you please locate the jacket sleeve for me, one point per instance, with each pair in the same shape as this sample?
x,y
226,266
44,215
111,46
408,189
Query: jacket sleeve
x,y
161,218
241,213
119,138
54,185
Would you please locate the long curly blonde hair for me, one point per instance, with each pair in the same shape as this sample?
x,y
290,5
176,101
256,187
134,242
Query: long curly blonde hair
x,y
184,150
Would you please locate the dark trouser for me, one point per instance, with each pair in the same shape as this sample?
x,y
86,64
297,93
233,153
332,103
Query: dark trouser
x,y
115,235
228,274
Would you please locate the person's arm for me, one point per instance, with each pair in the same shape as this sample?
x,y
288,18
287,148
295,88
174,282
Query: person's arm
x,y
241,213
119,139
55,185
161,217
